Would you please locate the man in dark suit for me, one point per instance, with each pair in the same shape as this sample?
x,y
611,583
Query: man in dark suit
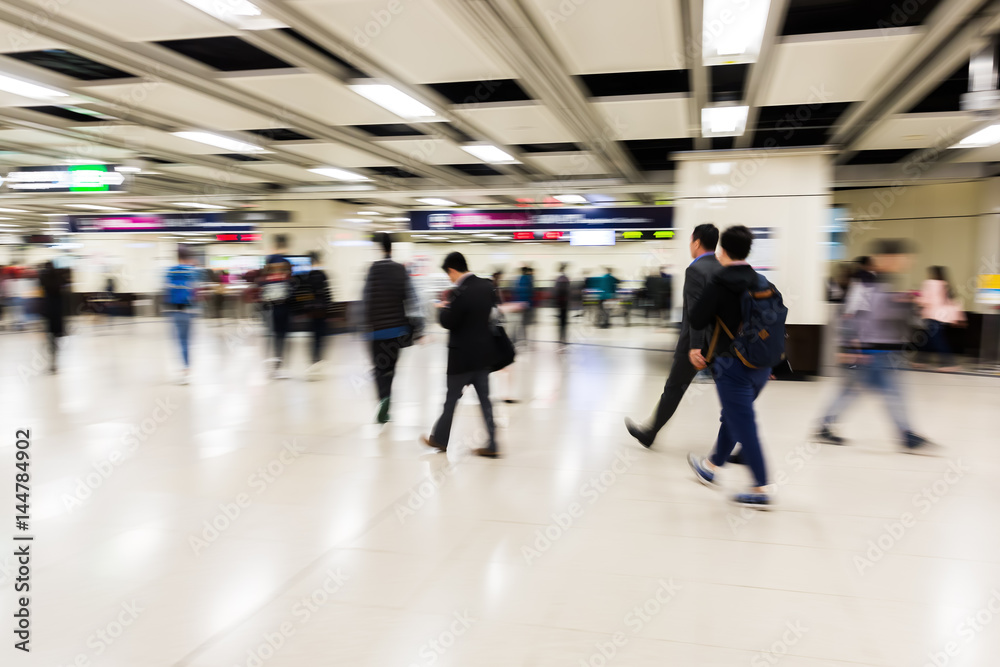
x,y
471,349
691,341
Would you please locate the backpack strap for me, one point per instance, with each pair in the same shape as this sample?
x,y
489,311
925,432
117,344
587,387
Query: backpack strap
x,y
719,326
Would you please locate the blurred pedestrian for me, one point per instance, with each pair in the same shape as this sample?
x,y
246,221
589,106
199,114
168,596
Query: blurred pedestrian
x,y
471,350
940,310
562,296
699,273
276,294
737,301
874,330
393,319
179,300
524,294
53,308
608,285
313,299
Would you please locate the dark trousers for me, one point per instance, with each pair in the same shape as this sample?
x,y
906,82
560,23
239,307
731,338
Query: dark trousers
x,y
280,317
385,354
318,325
738,388
681,375
563,322
480,380
937,333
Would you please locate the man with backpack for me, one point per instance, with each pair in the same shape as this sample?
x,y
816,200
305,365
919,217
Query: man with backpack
x,y
179,300
311,297
748,340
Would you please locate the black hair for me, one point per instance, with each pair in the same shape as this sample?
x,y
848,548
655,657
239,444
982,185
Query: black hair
x,y
315,257
456,261
941,273
737,241
864,262
183,252
706,234
281,241
384,239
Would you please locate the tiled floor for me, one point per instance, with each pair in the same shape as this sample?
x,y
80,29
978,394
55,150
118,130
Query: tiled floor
x,y
357,546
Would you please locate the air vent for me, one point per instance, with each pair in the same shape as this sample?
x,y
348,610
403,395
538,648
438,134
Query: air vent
x,y
70,64
228,54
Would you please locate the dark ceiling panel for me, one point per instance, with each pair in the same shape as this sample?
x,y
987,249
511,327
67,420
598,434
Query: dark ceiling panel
x,y
548,148
948,95
880,157
475,169
390,130
69,114
636,83
281,134
816,16
239,157
480,92
656,154
70,64
797,124
393,172
803,136
228,54
728,82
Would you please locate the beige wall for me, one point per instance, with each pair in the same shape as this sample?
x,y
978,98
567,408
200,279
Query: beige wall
x,y
943,221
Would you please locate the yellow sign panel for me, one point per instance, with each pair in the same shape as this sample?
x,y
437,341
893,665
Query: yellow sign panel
x,y
989,281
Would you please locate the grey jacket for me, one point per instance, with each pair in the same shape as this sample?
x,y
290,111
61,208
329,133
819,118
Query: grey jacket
x,y
696,277
874,318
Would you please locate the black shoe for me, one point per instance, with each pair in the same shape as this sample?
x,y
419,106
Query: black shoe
x,y
824,434
430,442
486,453
382,417
917,443
736,458
638,433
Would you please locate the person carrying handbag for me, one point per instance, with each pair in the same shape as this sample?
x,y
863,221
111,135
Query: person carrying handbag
x,y
940,310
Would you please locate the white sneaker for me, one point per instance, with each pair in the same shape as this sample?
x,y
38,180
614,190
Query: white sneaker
x,y
185,378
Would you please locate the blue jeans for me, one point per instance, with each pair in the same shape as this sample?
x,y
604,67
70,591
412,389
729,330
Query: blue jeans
x,y
878,372
182,327
738,388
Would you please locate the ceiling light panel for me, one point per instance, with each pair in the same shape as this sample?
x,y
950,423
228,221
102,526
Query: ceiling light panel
x,y
241,14
219,141
489,153
394,100
733,30
723,121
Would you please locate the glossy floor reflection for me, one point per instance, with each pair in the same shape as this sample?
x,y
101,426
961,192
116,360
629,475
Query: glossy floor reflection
x,y
256,522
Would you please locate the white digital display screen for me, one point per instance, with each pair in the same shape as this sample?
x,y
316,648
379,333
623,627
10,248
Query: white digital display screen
x,y
592,237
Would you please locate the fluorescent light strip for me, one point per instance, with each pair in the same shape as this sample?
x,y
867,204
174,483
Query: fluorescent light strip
x,y
225,143
13,210
95,207
733,31
369,213
489,153
988,136
436,201
723,121
571,199
28,89
191,204
339,174
394,100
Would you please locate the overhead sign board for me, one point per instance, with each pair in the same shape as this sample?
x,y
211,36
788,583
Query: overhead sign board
x,y
632,217
166,222
66,178
257,217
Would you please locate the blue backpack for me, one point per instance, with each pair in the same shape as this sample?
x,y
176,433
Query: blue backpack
x,y
181,283
760,340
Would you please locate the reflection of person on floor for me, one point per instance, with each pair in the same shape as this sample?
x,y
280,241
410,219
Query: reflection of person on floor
x,y
471,350
874,328
393,319
698,274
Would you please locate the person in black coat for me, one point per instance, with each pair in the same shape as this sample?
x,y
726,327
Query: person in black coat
x,y
471,349
53,283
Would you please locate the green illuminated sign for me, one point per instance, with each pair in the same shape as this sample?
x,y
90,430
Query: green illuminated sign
x,y
88,178
664,235
632,235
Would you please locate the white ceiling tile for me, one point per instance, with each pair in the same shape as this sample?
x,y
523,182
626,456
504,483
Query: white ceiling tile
x,y
144,139
34,137
421,42
336,155
287,171
646,118
320,97
918,130
523,124
839,69
210,174
140,20
598,36
199,111
429,151
568,164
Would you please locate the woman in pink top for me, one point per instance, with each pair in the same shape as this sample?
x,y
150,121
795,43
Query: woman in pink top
x,y
939,310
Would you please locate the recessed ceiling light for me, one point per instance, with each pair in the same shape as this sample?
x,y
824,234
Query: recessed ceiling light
x,y
394,100
27,89
54,215
988,136
339,174
125,169
398,219
436,201
225,143
241,14
95,207
191,204
733,34
723,121
369,213
571,199
13,210
489,153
